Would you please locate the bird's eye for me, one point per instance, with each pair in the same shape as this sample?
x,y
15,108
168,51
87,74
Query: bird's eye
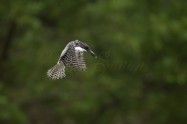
x,y
86,48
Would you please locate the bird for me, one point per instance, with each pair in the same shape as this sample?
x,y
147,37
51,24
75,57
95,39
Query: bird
x,y
71,56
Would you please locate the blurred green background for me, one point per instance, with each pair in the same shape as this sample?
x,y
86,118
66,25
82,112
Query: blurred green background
x,y
140,76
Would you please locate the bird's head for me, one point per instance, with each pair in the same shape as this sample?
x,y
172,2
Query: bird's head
x,y
85,47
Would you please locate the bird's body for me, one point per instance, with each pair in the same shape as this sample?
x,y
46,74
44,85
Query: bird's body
x,y
71,56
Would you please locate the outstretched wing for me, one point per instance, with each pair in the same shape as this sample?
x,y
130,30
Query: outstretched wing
x,y
73,58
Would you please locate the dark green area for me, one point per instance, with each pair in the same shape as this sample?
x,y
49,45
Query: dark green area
x,y
140,76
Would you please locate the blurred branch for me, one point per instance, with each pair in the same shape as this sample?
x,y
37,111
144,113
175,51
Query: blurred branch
x,y
6,46
8,41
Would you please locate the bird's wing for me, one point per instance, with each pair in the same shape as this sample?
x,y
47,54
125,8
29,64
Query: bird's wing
x,y
58,71
73,58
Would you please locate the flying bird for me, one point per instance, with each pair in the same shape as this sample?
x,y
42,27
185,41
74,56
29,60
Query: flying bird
x,y
71,56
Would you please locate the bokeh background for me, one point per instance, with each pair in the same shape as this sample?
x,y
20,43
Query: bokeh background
x,y
139,77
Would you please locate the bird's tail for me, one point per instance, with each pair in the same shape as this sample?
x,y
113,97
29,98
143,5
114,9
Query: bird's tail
x,y
57,71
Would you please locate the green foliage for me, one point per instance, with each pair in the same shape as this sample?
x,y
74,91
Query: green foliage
x,y
138,78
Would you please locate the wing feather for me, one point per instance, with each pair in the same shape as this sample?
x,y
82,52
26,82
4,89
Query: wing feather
x,y
73,58
57,71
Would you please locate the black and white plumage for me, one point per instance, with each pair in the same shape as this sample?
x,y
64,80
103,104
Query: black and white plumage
x,y
71,56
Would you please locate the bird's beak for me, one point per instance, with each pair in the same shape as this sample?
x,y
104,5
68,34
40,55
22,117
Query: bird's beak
x,y
92,53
